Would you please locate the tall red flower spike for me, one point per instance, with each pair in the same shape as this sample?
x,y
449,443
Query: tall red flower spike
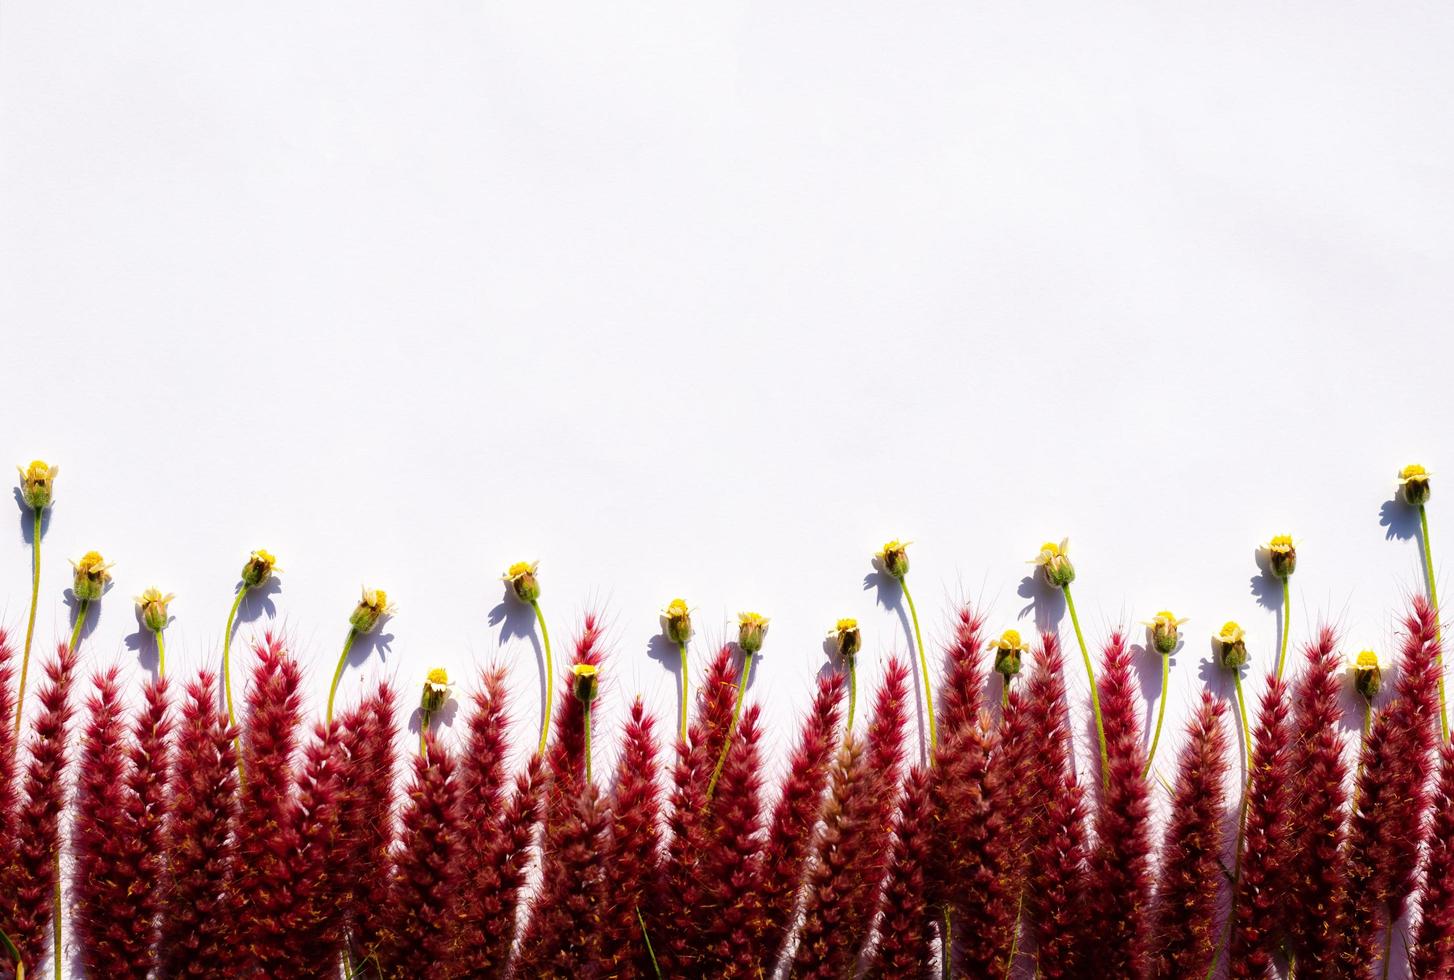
x,y
1183,936
731,860
316,928
1433,951
151,761
794,819
200,847
903,948
9,799
632,860
367,817
1316,920
964,674
27,901
854,845
1120,866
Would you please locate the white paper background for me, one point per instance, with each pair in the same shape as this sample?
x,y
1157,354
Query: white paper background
x,y
711,301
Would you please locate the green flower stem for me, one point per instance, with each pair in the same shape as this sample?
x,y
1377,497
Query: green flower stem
x,y
30,623
948,944
1428,572
161,655
682,723
647,940
227,655
1241,816
1286,625
852,692
1160,713
1095,694
338,672
923,667
588,742
1388,942
550,675
1005,692
732,729
81,609
424,717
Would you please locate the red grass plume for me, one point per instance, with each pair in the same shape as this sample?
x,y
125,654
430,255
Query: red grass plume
x,y
1183,936
1056,842
199,840
1316,922
1392,793
964,673
316,930
367,817
26,901
1120,866
632,859
731,862
903,948
8,757
1433,951
784,865
854,845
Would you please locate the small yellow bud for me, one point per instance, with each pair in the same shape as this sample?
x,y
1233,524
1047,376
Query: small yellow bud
x,y
1232,645
1367,676
1165,631
37,483
1009,650
152,606
436,691
1413,480
585,681
92,574
259,568
371,608
521,577
751,630
676,621
894,557
1283,555
846,638
1054,560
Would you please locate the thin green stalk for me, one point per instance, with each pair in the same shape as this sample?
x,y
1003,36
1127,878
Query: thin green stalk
x,y
1015,938
1095,694
424,717
588,743
550,675
83,607
647,939
736,713
1160,713
227,654
948,942
1286,624
923,668
852,693
1005,692
161,655
682,723
1241,817
29,623
1433,601
338,672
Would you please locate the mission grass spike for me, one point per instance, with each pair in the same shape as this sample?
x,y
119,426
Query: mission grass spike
x,y
731,860
903,949
9,760
632,856
1432,954
318,907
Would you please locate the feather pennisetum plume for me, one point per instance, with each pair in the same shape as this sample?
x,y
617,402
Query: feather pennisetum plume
x,y
199,840
1055,887
567,752
482,796
854,844
967,817
794,818
1433,949
150,755
1319,797
28,901
731,862
903,949
315,934
1261,889
367,818
1120,865
8,756
103,877
964,671
417,937
265,880
633,850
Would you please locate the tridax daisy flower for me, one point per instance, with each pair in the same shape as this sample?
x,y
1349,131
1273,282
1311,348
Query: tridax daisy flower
x,y
1367,675
37,489
1054,563
1165,631
370,610
676,624
1282,556
151,609
436,692
585,686
1009,651
92,575
751,631
847,640
521,577
893,558
256,571
1413,482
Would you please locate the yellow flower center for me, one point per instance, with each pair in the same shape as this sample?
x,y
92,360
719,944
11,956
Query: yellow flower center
x,y
1009,640
751,619
439,677
585,670
1407,473
264,556
1231,633
1367,660
520,568
1282,542
677,607
846,624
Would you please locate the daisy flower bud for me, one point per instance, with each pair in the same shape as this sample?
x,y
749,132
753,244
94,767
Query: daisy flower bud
x,y
436,691
1054,560
751,630
1165,631
1283,555
92,574
846,638
37,483
1367,677
676,621
521,577
585,682
1413,481
259,568
1008,649
895,558
152,607
372,607
1232,645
